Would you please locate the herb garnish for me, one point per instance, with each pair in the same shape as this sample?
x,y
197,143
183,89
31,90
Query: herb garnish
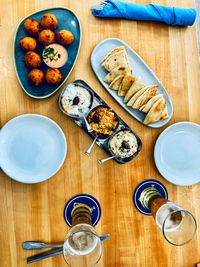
x,y
109,128
49,53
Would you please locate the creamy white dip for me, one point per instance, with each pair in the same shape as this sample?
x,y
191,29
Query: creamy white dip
x,y
76,100
123,144
55,55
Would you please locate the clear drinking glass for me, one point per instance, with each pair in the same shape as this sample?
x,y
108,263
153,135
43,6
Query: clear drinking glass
x,y
179,227
83,247
177,224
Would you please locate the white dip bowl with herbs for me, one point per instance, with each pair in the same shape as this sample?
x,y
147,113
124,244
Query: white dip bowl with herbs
x,y
55,55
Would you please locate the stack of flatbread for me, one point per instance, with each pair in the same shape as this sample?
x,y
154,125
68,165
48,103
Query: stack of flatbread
x,y
136,94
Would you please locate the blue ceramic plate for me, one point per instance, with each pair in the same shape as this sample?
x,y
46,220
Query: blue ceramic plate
x,y
139,68
177,153
32,148
67,20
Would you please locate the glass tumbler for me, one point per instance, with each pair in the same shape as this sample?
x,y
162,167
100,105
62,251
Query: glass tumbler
x,y
177,224
83,247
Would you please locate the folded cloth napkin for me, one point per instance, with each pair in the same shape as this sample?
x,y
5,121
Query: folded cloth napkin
x,y
169,15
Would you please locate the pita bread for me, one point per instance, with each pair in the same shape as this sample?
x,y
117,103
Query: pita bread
x,y
135,96
142,107
144,98
115,84
126,84
137,85
149,104
116,59
113,51
126,56
157,112
120,70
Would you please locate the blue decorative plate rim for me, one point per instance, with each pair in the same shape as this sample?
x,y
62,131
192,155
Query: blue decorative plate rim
x,y
147,183
93,199
79,46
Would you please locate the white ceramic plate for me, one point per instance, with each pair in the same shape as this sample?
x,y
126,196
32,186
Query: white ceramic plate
x,y
32,148
139,68
177,153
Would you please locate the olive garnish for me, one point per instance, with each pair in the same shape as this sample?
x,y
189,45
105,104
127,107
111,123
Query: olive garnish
x,y
96,118
125,144
76,100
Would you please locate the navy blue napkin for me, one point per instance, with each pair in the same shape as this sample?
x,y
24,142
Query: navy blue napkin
x,y
168,15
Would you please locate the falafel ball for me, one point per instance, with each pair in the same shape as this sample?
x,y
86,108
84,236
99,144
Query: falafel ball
x,y
32,59
36,77
28,43
64,37
49,21
32,26
46,37
53,76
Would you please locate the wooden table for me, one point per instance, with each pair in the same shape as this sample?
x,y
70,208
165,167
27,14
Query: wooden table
x,y
35,212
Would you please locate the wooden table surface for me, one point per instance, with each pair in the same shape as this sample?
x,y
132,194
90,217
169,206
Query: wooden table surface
x,y
35,212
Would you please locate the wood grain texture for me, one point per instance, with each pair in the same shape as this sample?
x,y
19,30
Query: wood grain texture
x,y
198,21
35,212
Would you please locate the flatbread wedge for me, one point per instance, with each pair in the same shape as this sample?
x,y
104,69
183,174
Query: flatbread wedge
x,y
135,96
149,104
119,70
126,84
157,112
145,97
117,59
113,51
115,84
137,85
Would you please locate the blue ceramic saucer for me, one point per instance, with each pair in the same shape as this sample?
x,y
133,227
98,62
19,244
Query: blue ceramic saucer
x,y
143,185
84,199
